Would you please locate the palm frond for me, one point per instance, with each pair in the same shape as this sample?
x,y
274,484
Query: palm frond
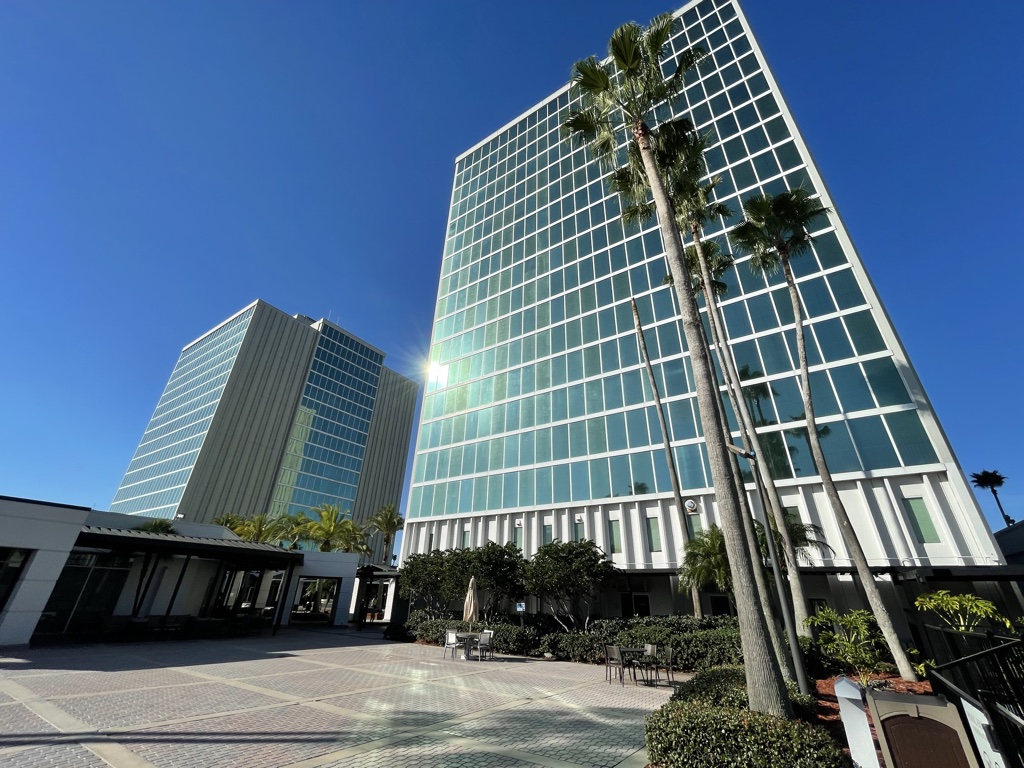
x,y
591,77
658,33
625,48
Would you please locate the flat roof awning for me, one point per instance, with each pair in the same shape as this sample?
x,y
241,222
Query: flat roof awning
x,y
235,550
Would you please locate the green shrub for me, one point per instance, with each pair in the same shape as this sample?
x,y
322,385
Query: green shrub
x,y
707,648
584,647
724,686
684,734
508,638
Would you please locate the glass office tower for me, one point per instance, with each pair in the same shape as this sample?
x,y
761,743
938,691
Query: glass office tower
x,y
273,413
538,422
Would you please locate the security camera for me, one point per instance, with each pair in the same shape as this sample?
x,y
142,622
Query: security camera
x,y
690,505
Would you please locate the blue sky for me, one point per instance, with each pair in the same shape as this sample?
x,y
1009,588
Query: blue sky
x,y
164,164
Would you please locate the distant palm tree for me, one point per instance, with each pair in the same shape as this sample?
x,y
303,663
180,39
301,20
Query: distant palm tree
x,y
332,529
230,520
389,522
263,529
777,230
992,480
706,562
157,525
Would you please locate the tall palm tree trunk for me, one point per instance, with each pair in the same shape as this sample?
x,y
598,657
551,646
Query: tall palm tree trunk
x,y
766,691
677,492
765,597
748,433
853,546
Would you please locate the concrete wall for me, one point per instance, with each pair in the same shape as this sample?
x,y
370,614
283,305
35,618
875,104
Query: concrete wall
x,y
327,565
387,452
50,531
237,466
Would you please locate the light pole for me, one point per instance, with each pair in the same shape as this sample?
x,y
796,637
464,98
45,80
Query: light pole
x,y
773,557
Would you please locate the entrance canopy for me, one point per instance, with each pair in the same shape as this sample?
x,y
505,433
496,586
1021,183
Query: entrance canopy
x,y
243,554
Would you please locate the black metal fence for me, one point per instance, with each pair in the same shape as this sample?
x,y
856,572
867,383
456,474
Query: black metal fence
x,y
986,670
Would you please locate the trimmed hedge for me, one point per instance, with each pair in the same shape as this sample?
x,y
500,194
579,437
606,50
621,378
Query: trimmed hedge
x,y
696,643
508,638
684,734
585,647
726,686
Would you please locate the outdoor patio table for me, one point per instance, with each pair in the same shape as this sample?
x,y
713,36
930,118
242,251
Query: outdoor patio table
x,y
633,653
469,637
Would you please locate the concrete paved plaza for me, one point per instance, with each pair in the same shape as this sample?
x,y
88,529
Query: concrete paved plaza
x,y
307,698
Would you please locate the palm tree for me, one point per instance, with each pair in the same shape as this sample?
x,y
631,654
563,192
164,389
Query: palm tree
x,y
617,98
332,529
296,528
677,491
775,231
806,537
992,480
705,561
680,154
263,529
230,520
157,525
388,522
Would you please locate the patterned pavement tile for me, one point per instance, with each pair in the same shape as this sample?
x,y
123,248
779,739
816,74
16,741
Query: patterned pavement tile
x,y
4,698
419,704
48,686
426,752
350,657
612,696
132,708
53,756
266,738
324,681
414,669
553,731
19,725
506,684
236,670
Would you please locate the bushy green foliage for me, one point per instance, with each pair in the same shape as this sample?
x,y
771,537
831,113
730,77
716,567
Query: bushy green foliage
x,y
684,734
585,647
726,686
569,575
439,579
508,638
696,643
962,612
852,638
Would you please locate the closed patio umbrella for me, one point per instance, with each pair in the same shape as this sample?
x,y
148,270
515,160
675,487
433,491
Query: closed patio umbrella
x,y
469,610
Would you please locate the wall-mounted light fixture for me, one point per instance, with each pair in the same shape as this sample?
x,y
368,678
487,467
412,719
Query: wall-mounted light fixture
x,y
579,518
519,523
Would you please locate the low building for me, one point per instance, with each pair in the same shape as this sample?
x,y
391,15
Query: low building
x,y
70,572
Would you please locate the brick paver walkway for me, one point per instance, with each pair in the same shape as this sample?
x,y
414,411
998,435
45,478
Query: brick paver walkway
x,y
307,698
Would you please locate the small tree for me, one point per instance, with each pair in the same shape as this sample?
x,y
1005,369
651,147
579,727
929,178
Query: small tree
x,y
422,579
852,638
960,612
500,574
569,575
